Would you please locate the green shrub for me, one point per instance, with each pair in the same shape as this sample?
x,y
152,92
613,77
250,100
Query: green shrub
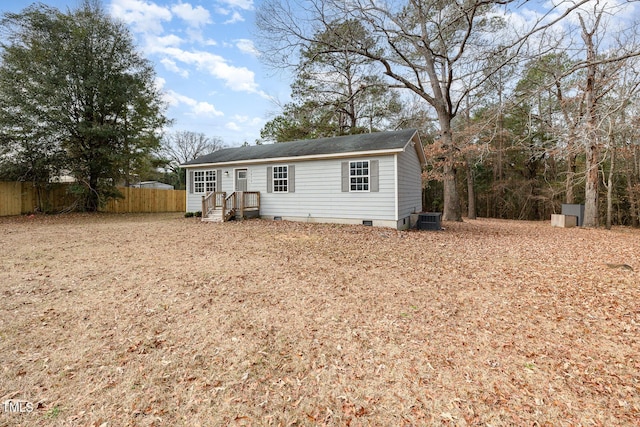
x,y
188,214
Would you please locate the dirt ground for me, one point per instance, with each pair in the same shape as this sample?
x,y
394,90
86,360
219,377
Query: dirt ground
x,y
140,320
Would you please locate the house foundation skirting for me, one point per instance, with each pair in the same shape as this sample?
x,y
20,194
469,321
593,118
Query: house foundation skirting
x,y
398,225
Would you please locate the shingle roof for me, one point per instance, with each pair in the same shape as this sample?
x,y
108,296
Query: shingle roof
x,y
379,141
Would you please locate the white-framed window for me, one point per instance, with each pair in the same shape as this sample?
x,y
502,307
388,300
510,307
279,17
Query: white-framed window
x,y
204,181
280,179
359,175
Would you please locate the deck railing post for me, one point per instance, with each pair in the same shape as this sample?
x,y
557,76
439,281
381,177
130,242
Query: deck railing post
x,y
204,211
224,207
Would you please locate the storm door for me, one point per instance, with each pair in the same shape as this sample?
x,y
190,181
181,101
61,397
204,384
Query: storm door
x,y
241,180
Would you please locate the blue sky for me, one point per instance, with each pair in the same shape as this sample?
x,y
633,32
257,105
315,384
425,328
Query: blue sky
x,y
205,61
207,64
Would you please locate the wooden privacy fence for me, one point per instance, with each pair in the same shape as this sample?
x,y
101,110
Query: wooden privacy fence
x,y
21,197
147,200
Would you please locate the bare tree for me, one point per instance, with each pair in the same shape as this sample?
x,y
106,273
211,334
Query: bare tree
x,y
592,144
597,84
181,146
579,71
440,50
617,108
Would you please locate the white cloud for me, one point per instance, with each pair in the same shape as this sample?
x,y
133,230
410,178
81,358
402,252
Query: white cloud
x,y
195,35
170,40
245,124
233,126
247,46
241,4
141,16
206,109
147,18
236,78
232,7
154,44
172,66
257,121
195,17
251,121
235,17
198,108
240,118
159,83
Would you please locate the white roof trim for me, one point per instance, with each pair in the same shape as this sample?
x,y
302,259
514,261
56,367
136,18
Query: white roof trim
x,y
419,148
299,158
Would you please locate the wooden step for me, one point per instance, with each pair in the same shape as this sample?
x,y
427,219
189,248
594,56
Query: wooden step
x,y
213,216
212,219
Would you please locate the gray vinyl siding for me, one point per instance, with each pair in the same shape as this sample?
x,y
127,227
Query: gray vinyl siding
x,y
318,193
318,190
409,182
224,183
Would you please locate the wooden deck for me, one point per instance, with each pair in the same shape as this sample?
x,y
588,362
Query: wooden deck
x,y
220,207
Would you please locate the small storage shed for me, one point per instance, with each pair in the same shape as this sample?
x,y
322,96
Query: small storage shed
x,y
153,184
373,179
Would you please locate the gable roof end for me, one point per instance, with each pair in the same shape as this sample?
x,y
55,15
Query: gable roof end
x,y
417,142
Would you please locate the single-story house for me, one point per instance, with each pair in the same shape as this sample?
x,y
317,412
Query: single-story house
x,y
372,179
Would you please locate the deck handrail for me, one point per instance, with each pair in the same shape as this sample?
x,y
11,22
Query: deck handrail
x,y
211,201
229,205
238,201
251,199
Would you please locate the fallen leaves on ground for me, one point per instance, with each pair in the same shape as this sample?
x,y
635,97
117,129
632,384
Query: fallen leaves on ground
x,y
161,320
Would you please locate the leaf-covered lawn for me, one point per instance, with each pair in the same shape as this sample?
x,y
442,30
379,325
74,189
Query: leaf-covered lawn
x,y
160,320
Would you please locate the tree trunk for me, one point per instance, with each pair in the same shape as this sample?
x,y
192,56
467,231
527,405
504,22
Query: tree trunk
x,y
471,193
633,209
591,187
500,171
631,181
571,172
592,147
452,210
91,199
610,188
